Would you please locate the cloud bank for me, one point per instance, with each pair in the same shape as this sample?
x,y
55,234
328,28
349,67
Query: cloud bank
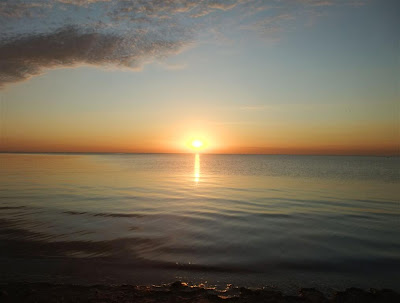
x,y
28,56
38,35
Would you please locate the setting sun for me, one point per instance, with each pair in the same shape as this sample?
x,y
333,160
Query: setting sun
x,y
197,144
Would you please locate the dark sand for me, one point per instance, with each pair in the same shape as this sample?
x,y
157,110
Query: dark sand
x,y
177,292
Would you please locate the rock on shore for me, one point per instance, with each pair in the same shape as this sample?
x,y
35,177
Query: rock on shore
x,y
178,292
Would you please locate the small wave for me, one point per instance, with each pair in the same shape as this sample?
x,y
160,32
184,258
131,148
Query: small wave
x,y
11,207
276,215
19,242
117,215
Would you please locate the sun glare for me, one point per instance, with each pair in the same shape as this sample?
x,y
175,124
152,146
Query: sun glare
x,y
197,144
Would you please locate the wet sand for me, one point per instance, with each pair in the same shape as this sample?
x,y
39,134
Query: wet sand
x,y
178,292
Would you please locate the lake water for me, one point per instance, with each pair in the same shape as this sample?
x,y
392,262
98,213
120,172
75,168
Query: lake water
x,y
251,220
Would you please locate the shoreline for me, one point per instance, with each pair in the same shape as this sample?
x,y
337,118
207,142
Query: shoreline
x,y
179,292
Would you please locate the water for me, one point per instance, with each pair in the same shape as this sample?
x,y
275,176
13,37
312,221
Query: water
x,y
251,220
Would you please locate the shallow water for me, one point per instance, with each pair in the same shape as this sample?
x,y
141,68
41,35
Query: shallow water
x,y
251,220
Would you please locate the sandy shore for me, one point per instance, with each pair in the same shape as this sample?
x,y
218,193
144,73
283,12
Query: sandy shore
x,y
177,292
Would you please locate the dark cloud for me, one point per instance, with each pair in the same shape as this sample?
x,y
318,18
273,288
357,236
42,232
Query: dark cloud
x,y
38,35
123,33
28,56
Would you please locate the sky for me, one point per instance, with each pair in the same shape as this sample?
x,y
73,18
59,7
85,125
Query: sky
x,y
243,76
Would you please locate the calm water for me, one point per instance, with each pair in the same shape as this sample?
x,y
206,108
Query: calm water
x,y
283,221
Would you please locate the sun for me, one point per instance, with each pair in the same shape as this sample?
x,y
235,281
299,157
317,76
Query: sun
x,y
197,144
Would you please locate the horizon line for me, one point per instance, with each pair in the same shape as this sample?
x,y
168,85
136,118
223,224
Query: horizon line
x,y
189,153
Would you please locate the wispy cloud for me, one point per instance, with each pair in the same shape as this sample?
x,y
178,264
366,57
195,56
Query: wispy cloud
x,y
170,66
38,35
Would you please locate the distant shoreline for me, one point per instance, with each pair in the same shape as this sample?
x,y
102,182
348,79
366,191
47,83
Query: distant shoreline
x,y
179,292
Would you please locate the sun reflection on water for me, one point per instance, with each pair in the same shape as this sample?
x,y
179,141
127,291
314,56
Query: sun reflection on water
x,y
197,168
